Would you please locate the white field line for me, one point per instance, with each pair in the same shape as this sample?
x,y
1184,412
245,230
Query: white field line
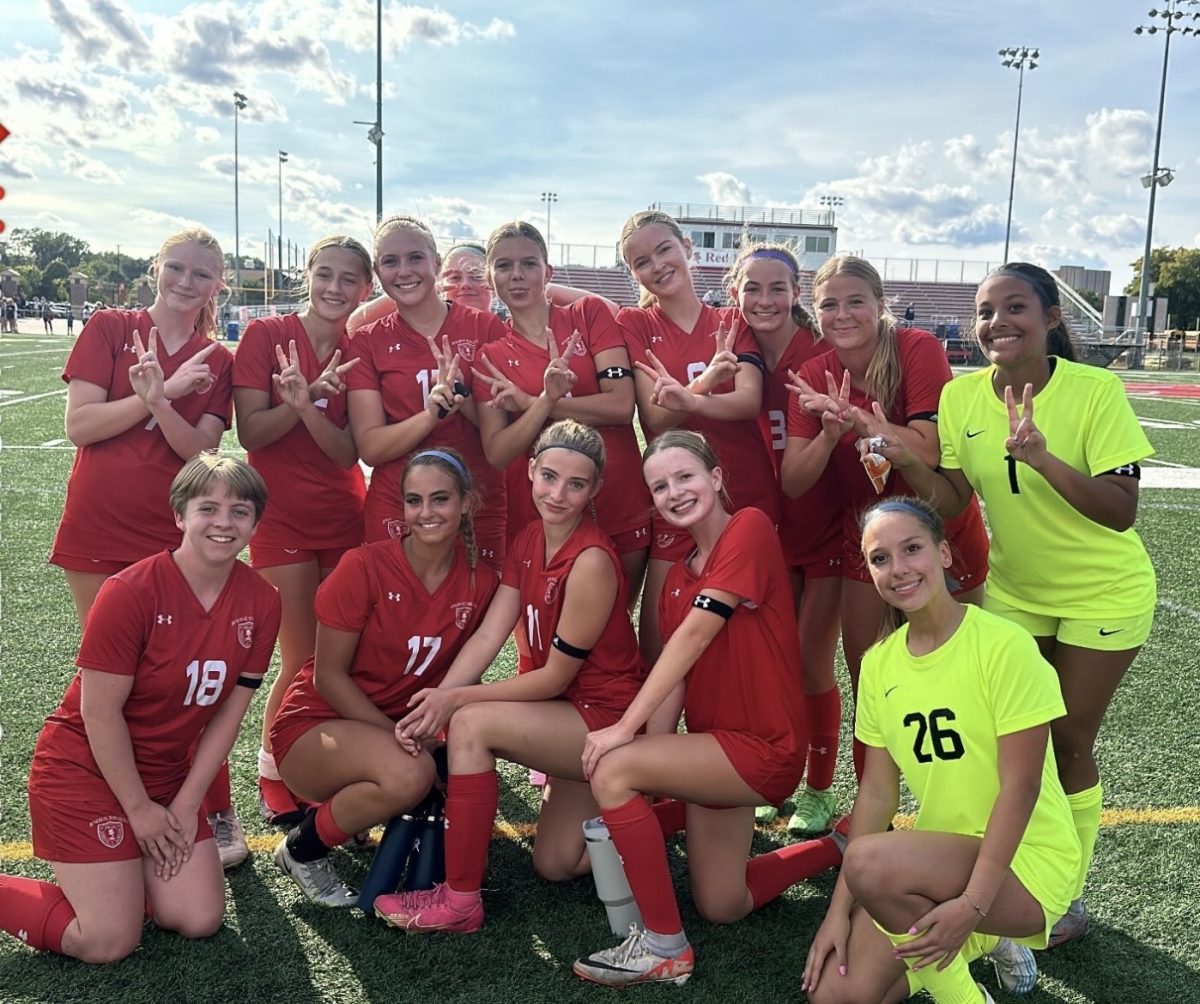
x,y
33,397
1171,477
4,356
1163,463
1179,608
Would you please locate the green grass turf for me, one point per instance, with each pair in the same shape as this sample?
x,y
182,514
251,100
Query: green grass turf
x,y
276,946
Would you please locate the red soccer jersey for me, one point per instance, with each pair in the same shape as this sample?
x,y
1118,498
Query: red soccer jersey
x,y
116,507
924,372
148,624
748,680
740,446
623,503
614,671
408,637
312,499
398,363
811,525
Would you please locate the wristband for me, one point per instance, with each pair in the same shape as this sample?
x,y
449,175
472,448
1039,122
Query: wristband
x,y
614,373
754,359
566,648
1126,471
713,606
251,682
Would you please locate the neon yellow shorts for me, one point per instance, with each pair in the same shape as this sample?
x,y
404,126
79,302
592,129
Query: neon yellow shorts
x,y
1110,634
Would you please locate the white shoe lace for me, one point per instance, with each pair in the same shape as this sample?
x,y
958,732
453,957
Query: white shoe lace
x,y
631,948
222,827
323,877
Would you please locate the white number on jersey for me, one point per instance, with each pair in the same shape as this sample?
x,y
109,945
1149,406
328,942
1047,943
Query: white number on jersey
x,y
426,378
204,682
533,627
694,370
415,644
778,422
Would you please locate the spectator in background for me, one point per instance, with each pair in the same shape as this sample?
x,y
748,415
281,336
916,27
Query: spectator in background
x,y
910,315
70,320
47,317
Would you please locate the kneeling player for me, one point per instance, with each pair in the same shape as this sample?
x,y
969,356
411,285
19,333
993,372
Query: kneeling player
x,y
390,620
172,651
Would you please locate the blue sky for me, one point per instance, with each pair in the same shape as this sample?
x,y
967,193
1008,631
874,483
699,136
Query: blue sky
x,y
122,119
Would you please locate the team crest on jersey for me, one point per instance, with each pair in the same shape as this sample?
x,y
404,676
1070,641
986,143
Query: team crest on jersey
x,y
465,350
396,528
245,630
664,539
580,348
551,590
110,831
462,614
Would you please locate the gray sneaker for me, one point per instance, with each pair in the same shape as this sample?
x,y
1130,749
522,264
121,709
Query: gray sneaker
x,y
231,840
1016,967
317,879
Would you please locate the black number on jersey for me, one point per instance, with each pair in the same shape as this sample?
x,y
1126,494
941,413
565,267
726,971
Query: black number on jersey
x,y
1013,484
947,744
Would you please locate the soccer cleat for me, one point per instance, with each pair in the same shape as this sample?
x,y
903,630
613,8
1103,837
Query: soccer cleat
x,y
632,962
813,813
1071,925
279,806
433,909
231,840
317,879
766,814
1016,967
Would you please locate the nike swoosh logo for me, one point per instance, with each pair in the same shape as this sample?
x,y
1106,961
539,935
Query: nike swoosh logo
x,y
1105,634
972,435
889,690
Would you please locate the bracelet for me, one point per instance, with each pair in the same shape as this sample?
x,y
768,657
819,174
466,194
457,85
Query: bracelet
x,y
974,905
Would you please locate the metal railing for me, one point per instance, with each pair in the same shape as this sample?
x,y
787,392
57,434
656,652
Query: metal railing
x,y
747,214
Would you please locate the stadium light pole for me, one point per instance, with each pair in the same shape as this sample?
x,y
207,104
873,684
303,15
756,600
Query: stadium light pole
x,y
549,198
1169,15
239,103
375,133
283,158
1017,59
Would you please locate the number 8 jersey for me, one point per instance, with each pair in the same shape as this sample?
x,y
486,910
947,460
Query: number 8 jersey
x,y
147,623
940,717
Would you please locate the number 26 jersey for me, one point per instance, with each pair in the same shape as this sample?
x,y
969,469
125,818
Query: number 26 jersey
x,y
940,716
147,623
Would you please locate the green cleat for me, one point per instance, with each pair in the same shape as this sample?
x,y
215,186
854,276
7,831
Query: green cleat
x,y
814,812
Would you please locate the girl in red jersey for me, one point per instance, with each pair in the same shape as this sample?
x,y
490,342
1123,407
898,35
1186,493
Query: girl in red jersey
x,y
831,421
764,282
167,668
146,391
597,388
403,355
579,666
391,618
704,376
288,381
727,615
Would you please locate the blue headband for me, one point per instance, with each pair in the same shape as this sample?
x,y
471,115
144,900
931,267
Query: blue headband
x,y
782,256
898,505
443,455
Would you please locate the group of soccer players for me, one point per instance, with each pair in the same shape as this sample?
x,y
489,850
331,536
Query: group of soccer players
x,y
804,473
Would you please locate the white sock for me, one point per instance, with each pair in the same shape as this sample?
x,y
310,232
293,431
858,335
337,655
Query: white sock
x,y
266,765
667,946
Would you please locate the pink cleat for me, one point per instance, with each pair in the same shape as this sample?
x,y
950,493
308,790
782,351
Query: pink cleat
x,y
436,909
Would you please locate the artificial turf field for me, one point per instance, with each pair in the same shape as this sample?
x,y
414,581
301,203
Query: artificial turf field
x,y
275,946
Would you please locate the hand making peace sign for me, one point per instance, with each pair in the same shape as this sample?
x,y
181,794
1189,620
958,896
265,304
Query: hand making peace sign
x,y
1025,441
837,414
447,393
724,364
668,392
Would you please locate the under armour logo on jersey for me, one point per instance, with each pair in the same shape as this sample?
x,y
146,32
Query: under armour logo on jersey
x,y
656,338
641,532
394,597
513,362
676,592
164,618
487,552
396,347
526,563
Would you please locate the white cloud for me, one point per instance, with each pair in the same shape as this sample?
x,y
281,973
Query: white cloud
x,y
726,190
206,135
22,160
1120,139
456,218
89,170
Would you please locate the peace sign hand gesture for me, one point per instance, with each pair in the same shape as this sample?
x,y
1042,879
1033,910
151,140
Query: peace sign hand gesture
x,y
446,395
330,383
1025,441
146,375
668,392
723,366
193,375
837,414
559,378
506,395
289,381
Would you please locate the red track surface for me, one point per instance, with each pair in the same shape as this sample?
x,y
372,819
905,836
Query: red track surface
x,y
1178,390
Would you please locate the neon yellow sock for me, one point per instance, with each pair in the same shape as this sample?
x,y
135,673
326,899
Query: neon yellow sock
x,y
953,985
1085,810
978,945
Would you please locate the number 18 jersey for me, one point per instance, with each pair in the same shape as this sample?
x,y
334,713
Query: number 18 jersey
x,y
940,717
147,623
